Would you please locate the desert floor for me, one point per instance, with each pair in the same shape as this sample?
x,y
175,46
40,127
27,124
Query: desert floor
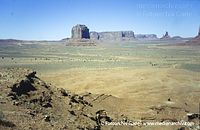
x,y
142,75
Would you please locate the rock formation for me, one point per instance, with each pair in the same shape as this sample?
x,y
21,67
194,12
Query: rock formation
x,y
112,35
166,36
80,31
195,41
94,35
176,38
80,36
128,34
37,105
146,37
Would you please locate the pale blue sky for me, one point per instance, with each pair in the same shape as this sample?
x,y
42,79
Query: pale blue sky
x,y
53,19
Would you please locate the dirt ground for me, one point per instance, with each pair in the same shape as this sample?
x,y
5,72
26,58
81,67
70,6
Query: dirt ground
x,y
144,87
140,82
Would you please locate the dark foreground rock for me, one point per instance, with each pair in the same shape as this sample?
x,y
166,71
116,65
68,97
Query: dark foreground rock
x,y
43,106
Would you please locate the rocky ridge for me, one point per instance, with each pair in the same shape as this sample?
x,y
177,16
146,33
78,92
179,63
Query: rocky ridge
x,y
42,106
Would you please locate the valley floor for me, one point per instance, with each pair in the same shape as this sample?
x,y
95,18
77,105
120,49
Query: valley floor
x,y
152,82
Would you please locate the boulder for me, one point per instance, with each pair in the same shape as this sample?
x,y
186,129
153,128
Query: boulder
x,y
101,117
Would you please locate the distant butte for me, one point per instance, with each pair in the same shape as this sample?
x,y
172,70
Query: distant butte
x,y
166,36
113,36
80,34
193,42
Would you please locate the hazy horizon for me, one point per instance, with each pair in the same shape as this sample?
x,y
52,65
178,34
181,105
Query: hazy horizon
x,y
53,20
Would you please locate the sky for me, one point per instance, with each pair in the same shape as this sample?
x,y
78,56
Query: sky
x,y
53,19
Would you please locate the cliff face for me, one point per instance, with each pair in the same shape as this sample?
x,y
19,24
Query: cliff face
x,y
94,35
112,36
146,37
199,32
80,31
81,34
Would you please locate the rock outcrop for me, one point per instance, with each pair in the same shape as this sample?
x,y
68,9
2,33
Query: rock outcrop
x,y
31,90
146,37
80,36
176,38
112,35
94,35
166,36
199,32
80,31
128,34
44,106
193,42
